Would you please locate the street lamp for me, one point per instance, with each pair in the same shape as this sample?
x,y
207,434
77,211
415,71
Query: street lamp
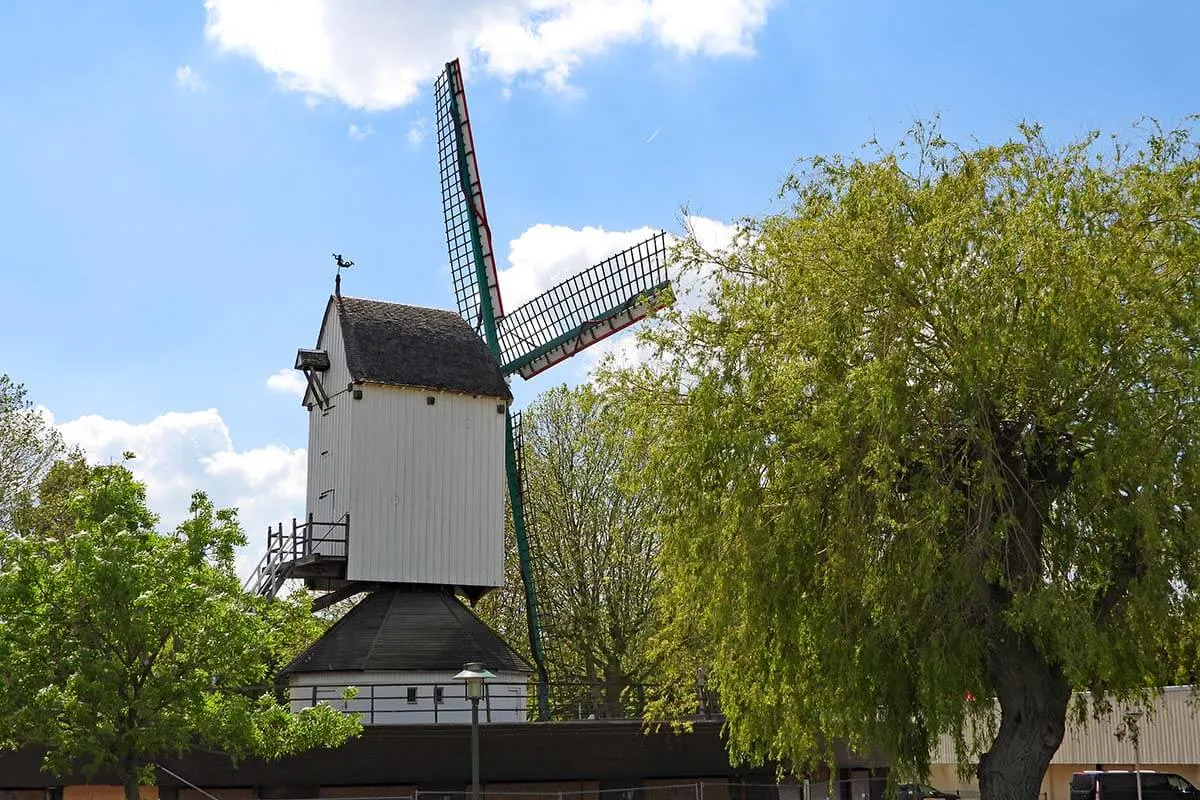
x,y
1132,717
473,675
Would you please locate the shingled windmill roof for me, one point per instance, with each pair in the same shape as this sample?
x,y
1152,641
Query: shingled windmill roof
x,y
401,345
407,628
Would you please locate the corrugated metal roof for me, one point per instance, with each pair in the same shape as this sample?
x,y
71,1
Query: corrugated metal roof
x,y
1169,733
407,628
428,348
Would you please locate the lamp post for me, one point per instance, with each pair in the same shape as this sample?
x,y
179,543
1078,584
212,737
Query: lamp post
x,y
473,675
1132,717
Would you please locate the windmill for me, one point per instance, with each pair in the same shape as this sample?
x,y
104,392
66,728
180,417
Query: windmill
x,y
550,328
412,445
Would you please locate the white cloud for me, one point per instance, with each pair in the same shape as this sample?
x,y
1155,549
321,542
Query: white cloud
x,y
418,131
287,381
547,254
712,234
358,133
544,254
182,451
187,78
376,54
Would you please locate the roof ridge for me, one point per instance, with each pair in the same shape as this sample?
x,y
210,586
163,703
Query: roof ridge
x,y
454,605
471,615
394,303
387,612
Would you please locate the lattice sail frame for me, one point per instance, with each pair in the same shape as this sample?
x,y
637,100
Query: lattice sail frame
x,y
468,236
519,448
587,307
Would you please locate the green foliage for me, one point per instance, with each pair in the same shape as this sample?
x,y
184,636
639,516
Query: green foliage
x,y
935,429
122,644
595,556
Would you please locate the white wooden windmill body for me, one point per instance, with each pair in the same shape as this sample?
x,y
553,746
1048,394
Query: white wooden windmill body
x,y
406,441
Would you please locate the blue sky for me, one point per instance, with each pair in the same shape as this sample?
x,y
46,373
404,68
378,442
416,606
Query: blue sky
x,y
175,177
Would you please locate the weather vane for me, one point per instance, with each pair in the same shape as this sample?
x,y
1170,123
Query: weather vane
x,y
342,263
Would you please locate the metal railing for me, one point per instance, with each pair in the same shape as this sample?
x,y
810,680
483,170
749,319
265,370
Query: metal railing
x,y
504,701
309,540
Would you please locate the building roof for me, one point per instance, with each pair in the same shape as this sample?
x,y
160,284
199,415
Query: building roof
x,y
401,345
407,628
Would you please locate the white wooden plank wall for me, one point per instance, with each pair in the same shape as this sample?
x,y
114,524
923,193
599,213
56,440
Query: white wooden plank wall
x,y
427,500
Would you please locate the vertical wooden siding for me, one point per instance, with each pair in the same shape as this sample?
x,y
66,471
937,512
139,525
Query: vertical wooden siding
x,y
427,499
329,432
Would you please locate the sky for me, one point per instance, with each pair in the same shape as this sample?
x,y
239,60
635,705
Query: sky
x,y
174,177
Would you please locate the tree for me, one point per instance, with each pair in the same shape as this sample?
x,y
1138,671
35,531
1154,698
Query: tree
x,y
595,557
28,446
122,645
934,436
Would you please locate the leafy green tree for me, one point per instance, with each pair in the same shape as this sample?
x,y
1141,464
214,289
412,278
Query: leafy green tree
x,y
29,445
122,645
936,432
595,556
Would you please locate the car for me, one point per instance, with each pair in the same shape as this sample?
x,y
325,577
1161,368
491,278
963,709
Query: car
x,y
919,791
1123,785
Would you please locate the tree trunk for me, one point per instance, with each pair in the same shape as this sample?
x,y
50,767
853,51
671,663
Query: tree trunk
x,y
614,685
1033,696
130,779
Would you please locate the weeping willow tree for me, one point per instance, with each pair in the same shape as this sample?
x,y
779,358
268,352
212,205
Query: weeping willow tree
x,y
933,437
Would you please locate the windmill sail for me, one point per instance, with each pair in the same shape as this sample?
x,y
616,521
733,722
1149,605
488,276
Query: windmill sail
x,y
517,486
468,237
586,308
551,328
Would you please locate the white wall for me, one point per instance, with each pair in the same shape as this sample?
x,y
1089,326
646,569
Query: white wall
x,y
427,488
329,434
382,697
